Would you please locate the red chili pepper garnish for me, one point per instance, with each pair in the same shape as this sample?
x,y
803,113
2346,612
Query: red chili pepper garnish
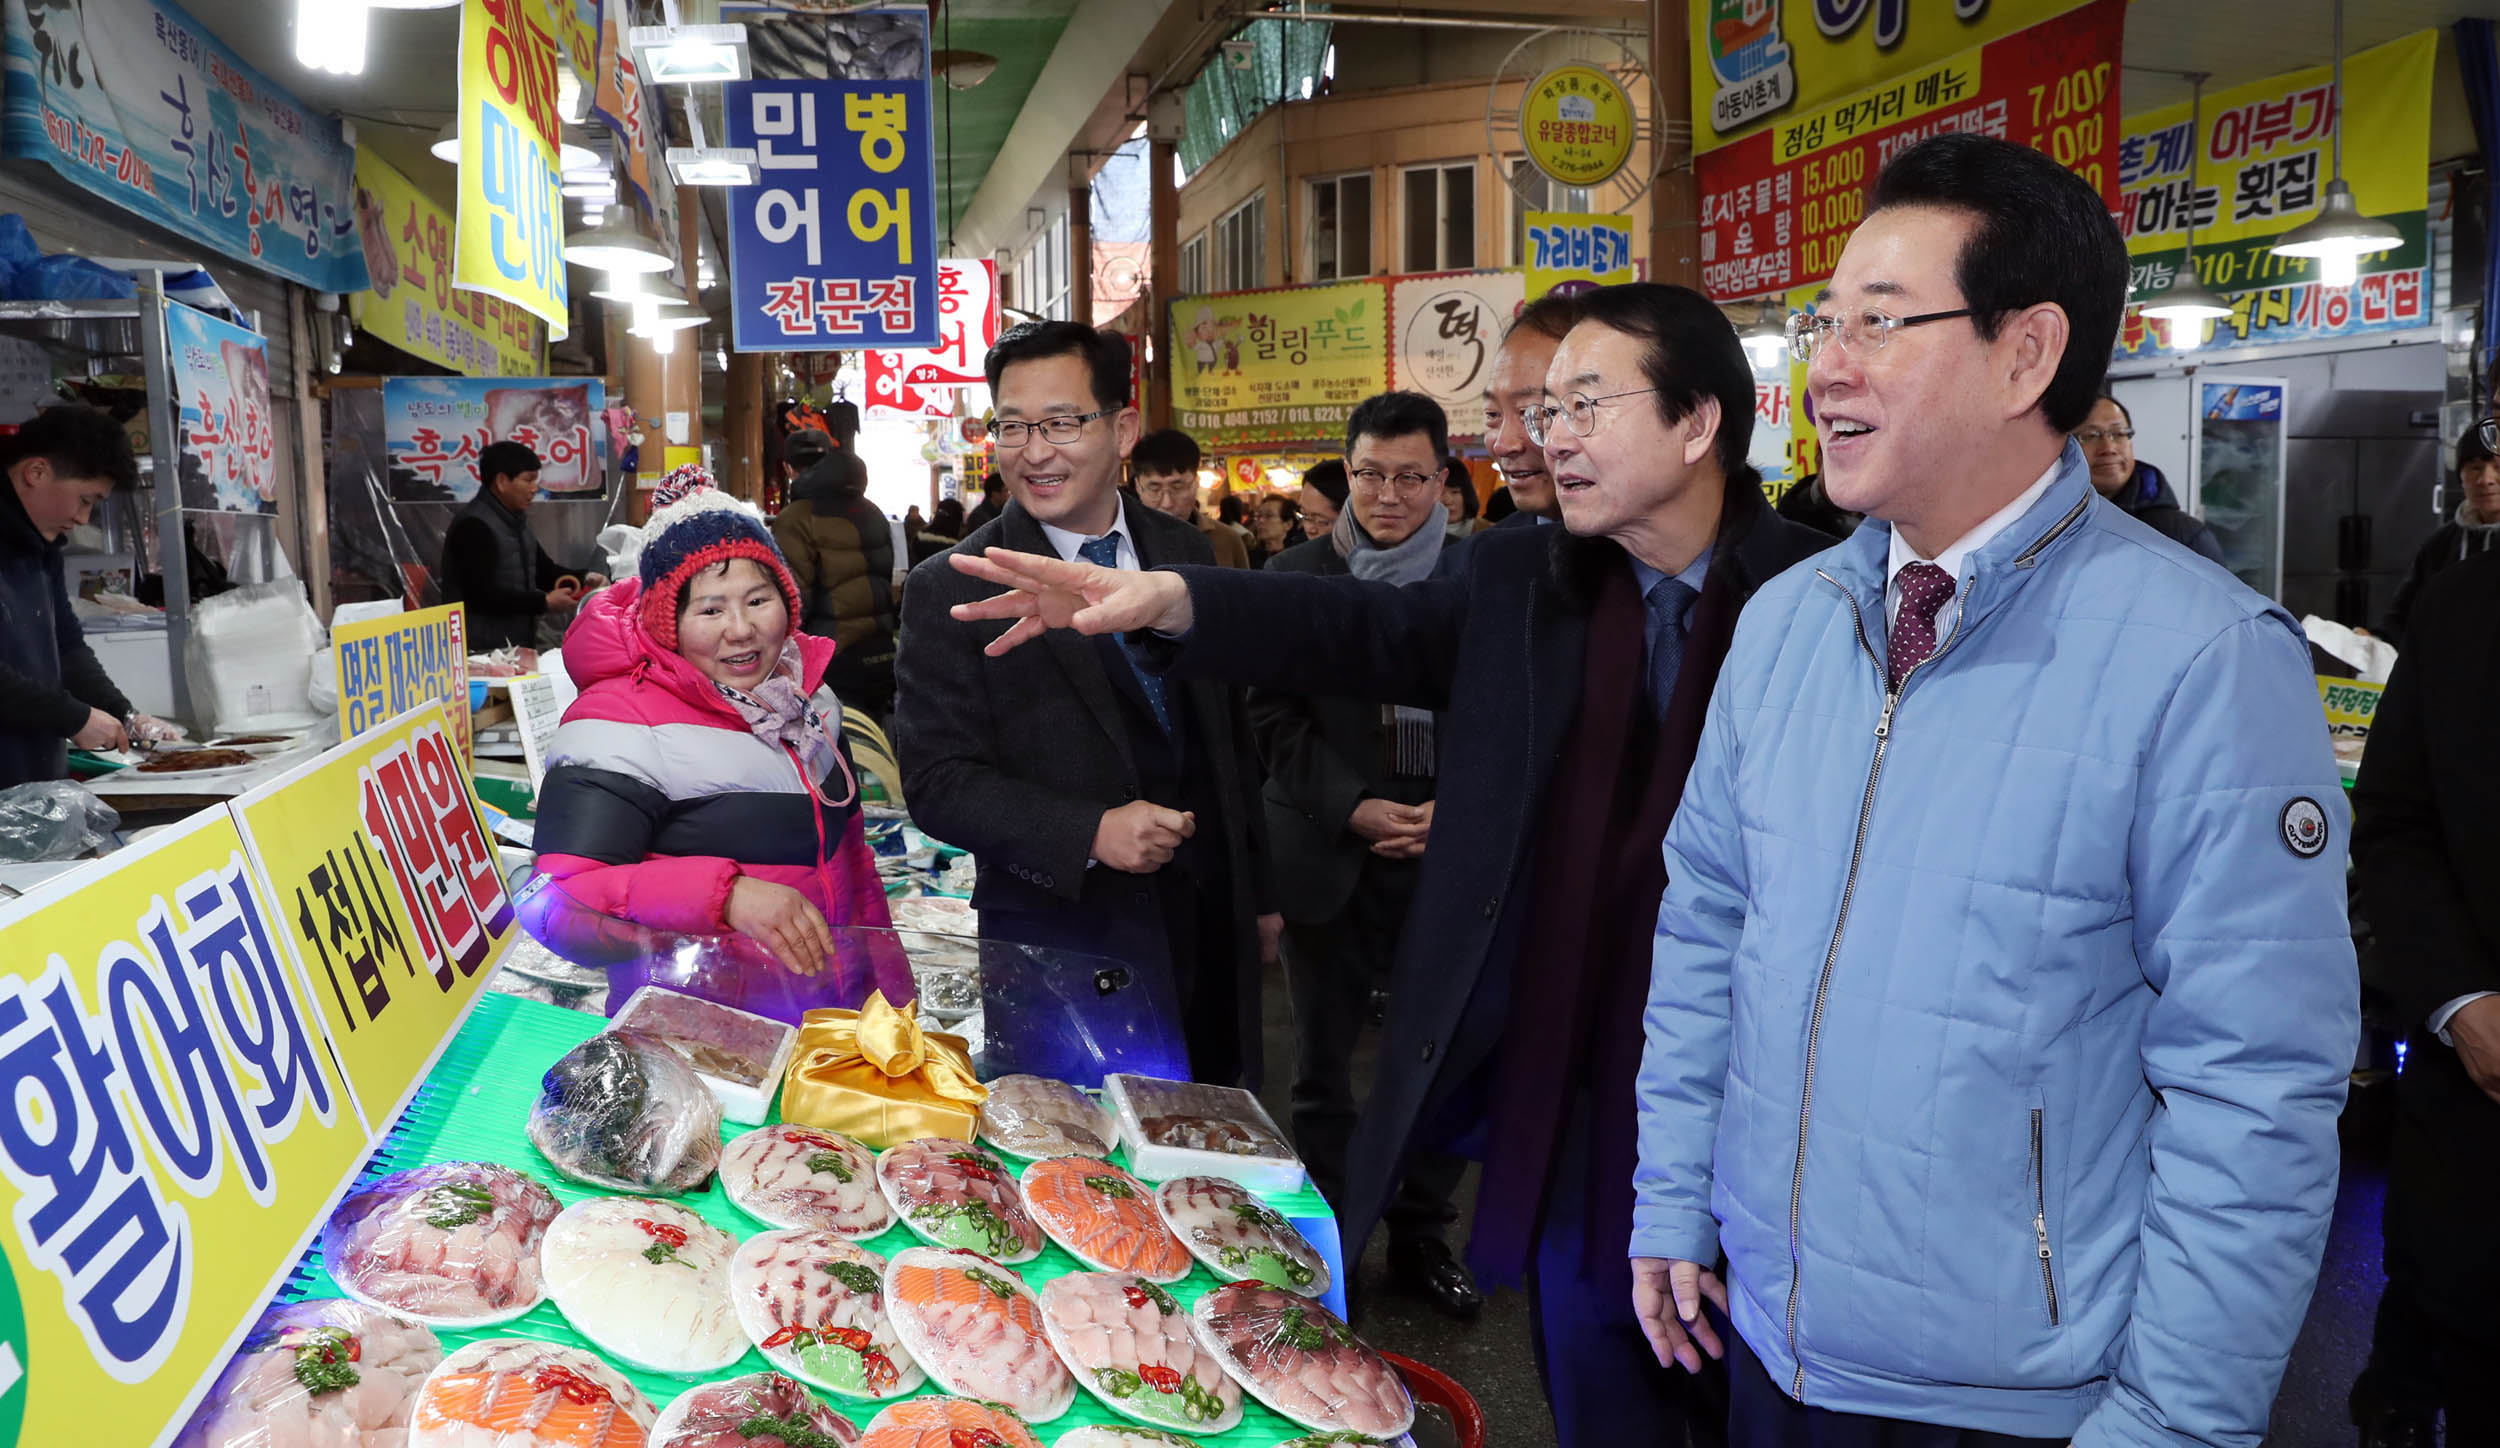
x,y
880,1370
665,1234
974,1438
572,1385
974,1167
856,1339
1159,1377
789,1335
1136,1296
804,1138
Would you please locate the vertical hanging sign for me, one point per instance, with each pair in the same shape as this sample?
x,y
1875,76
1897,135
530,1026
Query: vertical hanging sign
x,y
835,246
511,219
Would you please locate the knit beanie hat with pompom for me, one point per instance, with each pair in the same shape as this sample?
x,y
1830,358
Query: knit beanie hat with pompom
x,y
703,528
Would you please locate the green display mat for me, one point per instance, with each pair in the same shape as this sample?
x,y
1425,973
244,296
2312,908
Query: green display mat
x,y
475,1105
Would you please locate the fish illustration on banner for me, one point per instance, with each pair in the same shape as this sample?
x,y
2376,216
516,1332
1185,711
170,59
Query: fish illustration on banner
x,y
434,428
228,442
412,306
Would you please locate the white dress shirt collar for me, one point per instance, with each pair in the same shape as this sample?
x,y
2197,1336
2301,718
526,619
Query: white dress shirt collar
x,y
1954,554
1068,543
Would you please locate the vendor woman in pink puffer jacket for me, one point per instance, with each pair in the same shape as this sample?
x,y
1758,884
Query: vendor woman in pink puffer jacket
x,y
700,784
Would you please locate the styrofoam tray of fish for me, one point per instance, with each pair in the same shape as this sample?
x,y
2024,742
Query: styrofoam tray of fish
x,y
975,1328
1184,1128
1131,1345
947,1423
814,1304
953,1194
450,1245
1302,1360
1035,1118
624,1111
805,1176
512,1392
756,1408
328,1373
1104,1217
647,1282
1238,1236
739,1054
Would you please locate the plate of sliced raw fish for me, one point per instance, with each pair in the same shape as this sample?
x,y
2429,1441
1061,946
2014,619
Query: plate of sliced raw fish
x,y
973,1325
1232,1231
451,1245
760,1410
623,1110
814,1304
1103,1216
647,1282
804,1176
953,1194
947,1423
1302,1360
1035,1117
511,1392
1132,1346
1096,1435
328,1373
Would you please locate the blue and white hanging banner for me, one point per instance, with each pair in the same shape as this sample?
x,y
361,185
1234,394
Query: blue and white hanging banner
x,y
835,247
136,102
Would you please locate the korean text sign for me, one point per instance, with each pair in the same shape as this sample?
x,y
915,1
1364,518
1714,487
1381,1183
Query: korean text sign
x,y
1277,366
836,244
171,1133
2351,706
967,303
2262,164
412,304
388,666
1448,327
136,102
1573,252
511,216
388,889
1756,60
434,428
1778,206
229,445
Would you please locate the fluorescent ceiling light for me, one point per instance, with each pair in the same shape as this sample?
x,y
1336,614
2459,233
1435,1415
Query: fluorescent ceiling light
x,y
712,165
615,244
571,157
330,35
691,54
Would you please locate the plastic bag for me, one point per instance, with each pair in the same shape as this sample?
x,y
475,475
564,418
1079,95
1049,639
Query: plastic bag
x,y
974,1327
1239,1236
1302,1360
250,658
1035,1117
1131,1345
1104,1217
321,1374
647,1282
69,279
953,1194
813,1304
454,1244
804,1176
53,819
777,1410
17,250
624,1110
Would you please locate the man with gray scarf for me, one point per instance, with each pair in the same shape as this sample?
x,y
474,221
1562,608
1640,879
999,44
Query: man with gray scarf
x,y
1349,809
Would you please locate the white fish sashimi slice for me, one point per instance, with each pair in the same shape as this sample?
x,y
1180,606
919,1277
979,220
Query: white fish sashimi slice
x,y
1300,1359
1035,1117
509,1392
1132,1346
975,1327
1228,1228
647,1281
953,1194
801,1176
710,1416
814,1305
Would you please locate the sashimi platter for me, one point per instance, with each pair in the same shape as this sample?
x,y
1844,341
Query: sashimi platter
x,y
566,1243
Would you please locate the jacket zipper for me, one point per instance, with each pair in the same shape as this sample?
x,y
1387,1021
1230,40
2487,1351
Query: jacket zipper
x,y
2040,1216
1831,955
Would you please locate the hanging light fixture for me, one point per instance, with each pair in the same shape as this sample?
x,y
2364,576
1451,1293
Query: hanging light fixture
x,y
1767,338
330,35
572,157
446,147
2187,304
2339,235
616,244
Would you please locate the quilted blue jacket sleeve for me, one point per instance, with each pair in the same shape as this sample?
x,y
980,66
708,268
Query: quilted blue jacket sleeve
x,y
1684,1066
2240,927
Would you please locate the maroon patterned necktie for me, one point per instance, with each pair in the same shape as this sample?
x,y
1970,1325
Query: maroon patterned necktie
x,y
1924,588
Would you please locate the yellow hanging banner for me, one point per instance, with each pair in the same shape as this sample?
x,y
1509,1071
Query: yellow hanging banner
x,y
412,305
511,216
171,1133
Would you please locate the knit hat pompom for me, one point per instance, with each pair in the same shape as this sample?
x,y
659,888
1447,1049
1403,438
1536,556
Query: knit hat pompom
x,y
703,528
691,478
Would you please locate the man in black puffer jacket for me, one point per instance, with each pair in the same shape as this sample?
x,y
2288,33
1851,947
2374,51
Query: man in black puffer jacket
x,y
2108,440
841,551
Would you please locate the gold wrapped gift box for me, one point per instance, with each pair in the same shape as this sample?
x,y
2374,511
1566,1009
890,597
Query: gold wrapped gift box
x,y
875,1076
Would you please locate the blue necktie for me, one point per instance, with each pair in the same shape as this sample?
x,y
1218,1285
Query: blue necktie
x,y
1104,552
1669,599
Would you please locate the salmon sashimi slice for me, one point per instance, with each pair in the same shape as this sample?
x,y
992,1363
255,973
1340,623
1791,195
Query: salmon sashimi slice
x,y
975,1328
1104,1216
947,1423
514,1393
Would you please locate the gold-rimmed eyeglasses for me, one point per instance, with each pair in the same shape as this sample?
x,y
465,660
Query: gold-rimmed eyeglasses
x,y
1861,331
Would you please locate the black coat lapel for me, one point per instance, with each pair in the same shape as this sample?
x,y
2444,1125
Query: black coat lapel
x,y
1075,652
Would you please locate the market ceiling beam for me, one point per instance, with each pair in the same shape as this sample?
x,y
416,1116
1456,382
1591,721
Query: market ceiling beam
x,y
1080,70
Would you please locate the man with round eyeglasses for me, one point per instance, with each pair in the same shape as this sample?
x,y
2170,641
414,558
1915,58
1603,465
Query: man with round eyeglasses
x,y
1580,662
2107,438
2003,996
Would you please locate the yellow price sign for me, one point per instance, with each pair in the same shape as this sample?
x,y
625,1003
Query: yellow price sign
x,y
1576,124
171,1133
2351,706
389,889
387,666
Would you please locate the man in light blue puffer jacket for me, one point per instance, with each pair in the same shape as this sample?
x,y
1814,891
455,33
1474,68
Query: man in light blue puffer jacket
x,y
2003,996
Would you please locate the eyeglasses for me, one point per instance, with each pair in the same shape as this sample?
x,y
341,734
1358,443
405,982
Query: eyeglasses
x,y
2095,436
1060,430
1408,484
1862,332
1579,412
